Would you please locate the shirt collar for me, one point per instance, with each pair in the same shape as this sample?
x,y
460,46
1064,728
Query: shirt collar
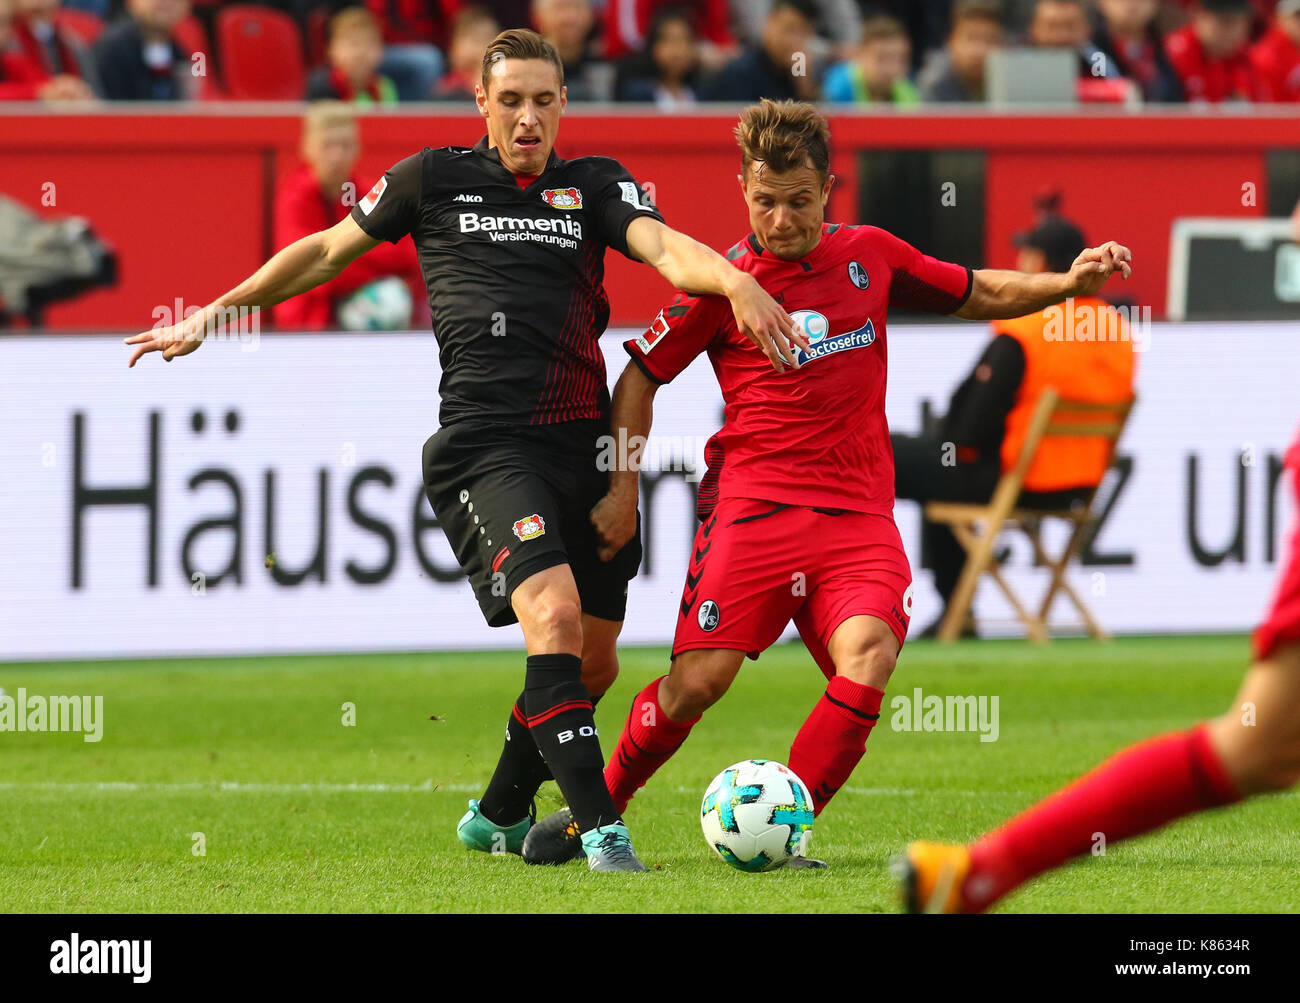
x,y
807,263
491,153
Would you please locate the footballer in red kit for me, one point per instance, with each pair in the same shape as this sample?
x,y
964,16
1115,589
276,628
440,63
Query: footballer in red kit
x,y
1147,785
797,505
791,503
1281,625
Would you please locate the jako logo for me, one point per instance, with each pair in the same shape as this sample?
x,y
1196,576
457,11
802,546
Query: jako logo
x,y
75,956
468,198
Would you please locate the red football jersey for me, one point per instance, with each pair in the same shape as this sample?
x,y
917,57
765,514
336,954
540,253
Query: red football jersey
x,y
814,436
1276,59
1205,78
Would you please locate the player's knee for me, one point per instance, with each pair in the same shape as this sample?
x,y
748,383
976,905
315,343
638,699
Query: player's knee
x,y
557,620
1258,760
599,670
1276,765
870,667
690,694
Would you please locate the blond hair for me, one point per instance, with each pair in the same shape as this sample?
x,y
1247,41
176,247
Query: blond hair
x,y
351,19
784,135
323,115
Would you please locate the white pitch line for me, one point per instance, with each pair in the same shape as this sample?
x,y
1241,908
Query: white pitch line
x,y
227,786
428,786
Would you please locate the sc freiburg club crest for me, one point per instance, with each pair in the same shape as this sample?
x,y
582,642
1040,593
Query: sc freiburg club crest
x,y
563,198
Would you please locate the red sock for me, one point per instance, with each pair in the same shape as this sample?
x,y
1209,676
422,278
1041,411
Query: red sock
x,y
649,738
834,738
1136,790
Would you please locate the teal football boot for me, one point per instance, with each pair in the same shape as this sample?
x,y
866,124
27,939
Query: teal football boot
x,y
609,848
479,833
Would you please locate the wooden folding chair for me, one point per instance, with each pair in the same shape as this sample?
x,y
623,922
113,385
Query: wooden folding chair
x,y
977,527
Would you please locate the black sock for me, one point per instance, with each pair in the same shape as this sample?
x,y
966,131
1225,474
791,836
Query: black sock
x,y
520,771
559,713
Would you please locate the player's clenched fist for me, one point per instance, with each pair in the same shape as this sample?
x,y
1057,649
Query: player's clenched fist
x,y
172,341
1095,265
614,517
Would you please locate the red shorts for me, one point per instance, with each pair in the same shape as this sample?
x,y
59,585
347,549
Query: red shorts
x,y
1282,623
757,565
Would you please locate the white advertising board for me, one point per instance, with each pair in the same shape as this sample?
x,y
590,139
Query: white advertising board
x,y
139,507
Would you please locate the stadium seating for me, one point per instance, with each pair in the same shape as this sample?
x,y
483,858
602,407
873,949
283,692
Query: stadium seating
x,y
977,526
317,36
261,54
192,36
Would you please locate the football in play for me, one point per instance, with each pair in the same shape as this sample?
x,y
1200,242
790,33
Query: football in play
x,y
757,815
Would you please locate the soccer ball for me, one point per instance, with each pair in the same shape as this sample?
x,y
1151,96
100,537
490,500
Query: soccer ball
x,y
757,815
382,305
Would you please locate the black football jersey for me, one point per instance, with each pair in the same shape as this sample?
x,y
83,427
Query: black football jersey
x,y
514,275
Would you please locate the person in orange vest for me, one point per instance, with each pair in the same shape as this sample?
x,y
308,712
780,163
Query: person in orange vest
x,y
1083,348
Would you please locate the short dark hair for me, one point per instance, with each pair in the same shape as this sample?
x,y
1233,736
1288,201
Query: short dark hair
x,y
1226,7
468,17
520,43
881,27
665,16
978,10
806,8
785,135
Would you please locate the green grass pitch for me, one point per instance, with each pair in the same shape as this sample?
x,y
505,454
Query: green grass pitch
x,y
299,812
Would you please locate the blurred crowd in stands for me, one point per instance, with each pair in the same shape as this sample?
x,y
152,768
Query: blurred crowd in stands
x,y
668,53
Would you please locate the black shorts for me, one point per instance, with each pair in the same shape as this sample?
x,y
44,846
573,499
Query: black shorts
x,y
515,500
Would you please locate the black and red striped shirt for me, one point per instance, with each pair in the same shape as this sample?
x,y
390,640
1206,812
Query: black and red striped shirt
x,y
515,275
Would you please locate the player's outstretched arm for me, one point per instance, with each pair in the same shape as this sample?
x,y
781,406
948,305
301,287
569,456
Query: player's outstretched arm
x,y
997,295
694,268
302,265
631,414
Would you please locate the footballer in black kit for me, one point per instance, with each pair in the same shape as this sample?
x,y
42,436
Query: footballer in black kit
x,y
511,240
515,274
